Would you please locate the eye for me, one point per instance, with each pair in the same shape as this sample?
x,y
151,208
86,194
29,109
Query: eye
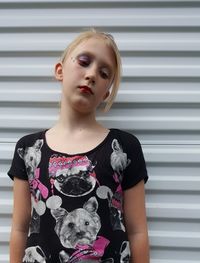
x,y
60,178
84,60
87,223
105,74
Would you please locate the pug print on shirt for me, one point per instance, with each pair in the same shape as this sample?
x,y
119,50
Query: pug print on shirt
x,y
73,176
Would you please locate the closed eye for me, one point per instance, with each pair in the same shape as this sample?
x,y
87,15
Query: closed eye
x,y
84,60
105,74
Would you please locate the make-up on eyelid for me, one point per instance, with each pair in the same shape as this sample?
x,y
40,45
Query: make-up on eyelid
x,y
84,60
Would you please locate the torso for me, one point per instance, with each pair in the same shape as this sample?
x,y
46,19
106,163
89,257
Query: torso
x,y
77,211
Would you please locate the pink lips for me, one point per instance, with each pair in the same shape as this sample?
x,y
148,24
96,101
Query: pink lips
x,y
86,89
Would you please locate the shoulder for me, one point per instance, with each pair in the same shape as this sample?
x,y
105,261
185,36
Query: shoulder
x,y
126,139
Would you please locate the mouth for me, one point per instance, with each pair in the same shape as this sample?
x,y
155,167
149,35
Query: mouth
x,y
86,89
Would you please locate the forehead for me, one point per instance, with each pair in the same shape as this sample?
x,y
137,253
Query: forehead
x,y
98,48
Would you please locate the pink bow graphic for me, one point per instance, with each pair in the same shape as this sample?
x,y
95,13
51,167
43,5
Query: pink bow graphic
x,y
36,184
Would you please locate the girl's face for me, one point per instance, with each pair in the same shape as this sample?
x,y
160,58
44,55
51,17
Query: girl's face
x,y
87,74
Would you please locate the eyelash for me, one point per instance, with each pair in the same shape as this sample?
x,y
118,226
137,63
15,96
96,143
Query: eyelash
x,y
85,61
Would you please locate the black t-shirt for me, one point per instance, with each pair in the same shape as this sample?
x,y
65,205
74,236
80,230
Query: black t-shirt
x,y
77,211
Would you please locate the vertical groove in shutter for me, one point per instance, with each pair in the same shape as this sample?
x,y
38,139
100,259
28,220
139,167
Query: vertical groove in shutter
x,y
158,100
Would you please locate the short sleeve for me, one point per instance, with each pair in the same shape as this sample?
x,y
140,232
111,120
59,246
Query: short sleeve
x,y
18,168
136,167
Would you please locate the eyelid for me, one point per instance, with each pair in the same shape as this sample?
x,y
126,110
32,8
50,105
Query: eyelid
x,y
106,69
84,56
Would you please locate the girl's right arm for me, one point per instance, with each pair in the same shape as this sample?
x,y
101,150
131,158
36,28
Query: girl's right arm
x,y
20,220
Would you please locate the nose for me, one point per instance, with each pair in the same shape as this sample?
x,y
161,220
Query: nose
x,y
91,74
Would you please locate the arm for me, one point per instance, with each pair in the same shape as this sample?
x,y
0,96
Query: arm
x,y
20,220
136,224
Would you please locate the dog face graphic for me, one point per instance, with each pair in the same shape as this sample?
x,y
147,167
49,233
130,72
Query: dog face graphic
x,y
74,176
79,227
31,156
34,254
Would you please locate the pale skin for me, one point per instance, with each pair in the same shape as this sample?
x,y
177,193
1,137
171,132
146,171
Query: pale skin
x,y
20,221
77,123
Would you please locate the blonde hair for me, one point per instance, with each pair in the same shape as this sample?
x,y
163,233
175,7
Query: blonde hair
x,y
109,40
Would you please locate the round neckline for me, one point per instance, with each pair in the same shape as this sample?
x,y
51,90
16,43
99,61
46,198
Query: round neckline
x,y
78,153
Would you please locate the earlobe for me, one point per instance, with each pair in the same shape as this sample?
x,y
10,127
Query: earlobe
x,y
59,71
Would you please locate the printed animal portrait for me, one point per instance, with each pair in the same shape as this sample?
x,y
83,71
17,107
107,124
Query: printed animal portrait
x,y
31,156
118,158
74,176
35,255
35,223
114,203
78,227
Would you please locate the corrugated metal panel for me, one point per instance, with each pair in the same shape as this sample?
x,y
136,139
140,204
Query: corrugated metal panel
x,y
158,100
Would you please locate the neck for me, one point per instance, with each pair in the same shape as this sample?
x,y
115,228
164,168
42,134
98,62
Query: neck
x,y
72,120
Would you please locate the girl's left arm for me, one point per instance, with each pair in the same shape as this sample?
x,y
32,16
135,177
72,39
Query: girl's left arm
x,y
136,223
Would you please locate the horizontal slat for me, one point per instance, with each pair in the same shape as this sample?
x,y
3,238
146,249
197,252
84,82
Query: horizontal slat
x,y
176,183
5,181
6,206
56,42
172,211
112,18
175,239
4,258
4,233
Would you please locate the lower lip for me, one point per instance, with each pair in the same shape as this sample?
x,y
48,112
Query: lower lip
x,y
86,91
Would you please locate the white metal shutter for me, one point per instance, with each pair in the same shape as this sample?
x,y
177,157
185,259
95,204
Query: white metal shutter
x,y
159,100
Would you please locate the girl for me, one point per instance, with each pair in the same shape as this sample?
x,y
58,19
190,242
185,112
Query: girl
x,y
79,187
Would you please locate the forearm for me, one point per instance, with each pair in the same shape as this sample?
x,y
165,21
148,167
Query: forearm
x,y
17,245
139,246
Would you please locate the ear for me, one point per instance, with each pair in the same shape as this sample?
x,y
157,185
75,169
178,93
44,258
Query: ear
x,y
59,71
21,152
58,213
91,205
106,95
